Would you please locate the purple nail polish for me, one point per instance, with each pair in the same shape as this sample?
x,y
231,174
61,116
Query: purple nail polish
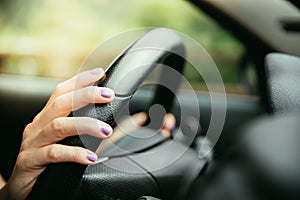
x,y
92,157
96,71
106,130
106,93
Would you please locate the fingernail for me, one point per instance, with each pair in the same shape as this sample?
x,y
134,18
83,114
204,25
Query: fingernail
x,y
92,157
97,71
106,130
106,93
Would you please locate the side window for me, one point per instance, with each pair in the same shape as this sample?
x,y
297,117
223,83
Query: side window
x,y
226,52
50,39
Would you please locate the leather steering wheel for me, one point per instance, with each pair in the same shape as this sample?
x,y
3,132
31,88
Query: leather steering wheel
x,y
124,76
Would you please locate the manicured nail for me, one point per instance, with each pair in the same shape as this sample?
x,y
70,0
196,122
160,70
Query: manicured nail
x,y
106,130
97,71
106,93
92,157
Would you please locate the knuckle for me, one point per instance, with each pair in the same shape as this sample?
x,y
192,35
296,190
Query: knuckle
x,y
58,89
54,154
26,143
22,159
37,117
27,130
57,124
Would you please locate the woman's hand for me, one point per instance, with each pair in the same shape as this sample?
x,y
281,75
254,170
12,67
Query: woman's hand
x,y
39,144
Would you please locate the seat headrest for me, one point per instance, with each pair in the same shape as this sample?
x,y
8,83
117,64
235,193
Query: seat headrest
x,y
283,82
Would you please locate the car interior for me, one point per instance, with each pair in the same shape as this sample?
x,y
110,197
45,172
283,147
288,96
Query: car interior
x,y
256,155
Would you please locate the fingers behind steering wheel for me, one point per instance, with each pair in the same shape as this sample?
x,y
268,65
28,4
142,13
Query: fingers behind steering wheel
x,y
133,123
64,104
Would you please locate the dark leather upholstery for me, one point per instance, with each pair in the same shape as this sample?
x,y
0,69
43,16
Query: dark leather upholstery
x,y
264,163
283,82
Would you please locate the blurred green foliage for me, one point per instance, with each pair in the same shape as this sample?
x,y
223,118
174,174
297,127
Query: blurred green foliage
x,y
43,37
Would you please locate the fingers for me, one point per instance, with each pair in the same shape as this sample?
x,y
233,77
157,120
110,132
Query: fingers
x,y
134,122
78,81
168,125
63,127
74,100
63,105
81,80
55,153
52,124
129,125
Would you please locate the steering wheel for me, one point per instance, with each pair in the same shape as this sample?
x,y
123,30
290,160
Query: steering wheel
x,y
137,173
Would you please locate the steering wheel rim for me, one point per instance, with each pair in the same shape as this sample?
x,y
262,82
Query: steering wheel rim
x,y
161,46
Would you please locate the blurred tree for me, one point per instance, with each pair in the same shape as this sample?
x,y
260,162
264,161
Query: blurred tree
x,y
61,33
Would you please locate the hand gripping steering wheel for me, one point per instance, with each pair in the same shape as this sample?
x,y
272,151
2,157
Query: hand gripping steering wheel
x,y
99,181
